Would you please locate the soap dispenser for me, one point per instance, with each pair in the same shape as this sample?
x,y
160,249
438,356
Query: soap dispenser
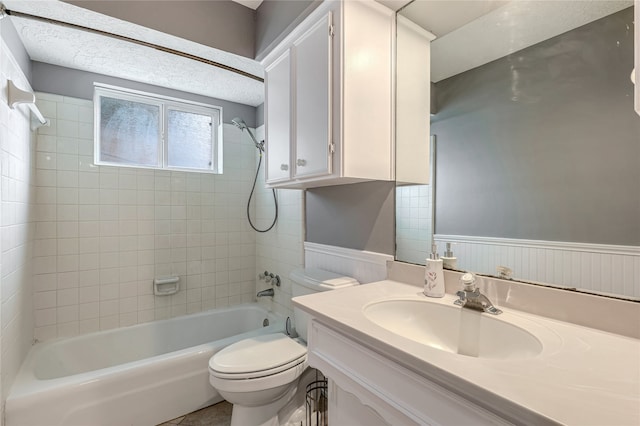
x,y
433,275
449,261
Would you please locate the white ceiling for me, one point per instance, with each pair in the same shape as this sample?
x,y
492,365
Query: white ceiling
x,y
251,4
443,16
473,33
86,51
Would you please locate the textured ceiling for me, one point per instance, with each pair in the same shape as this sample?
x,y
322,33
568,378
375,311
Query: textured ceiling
x,y
85,51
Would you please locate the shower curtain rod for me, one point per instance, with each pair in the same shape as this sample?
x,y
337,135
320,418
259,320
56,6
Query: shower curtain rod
x,y
5,11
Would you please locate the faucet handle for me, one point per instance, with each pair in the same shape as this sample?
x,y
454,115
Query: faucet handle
x,y
468,281
462,298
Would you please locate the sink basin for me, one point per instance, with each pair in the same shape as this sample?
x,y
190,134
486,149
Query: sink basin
x,y
453,329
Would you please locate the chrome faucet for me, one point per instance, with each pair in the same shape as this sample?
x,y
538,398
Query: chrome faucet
x,y
267,292
471,298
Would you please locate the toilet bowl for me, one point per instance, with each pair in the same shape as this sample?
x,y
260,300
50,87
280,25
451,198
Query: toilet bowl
x,y
257,374
260,375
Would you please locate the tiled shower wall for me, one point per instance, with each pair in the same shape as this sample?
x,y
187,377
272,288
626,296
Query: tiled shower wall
x,y
16,227
413,223
280,250
103,233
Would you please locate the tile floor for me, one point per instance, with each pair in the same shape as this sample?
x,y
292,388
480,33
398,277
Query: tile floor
x,y
215,415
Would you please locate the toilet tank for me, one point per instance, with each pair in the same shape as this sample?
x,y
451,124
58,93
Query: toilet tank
x,y
314,280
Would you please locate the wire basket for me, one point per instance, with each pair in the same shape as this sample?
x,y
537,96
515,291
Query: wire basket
x,y
316,401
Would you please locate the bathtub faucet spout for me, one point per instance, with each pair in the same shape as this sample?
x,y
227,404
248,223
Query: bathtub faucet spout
x,y
267,292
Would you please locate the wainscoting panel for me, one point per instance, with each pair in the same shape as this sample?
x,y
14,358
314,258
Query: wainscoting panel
x,y
596,268
365,266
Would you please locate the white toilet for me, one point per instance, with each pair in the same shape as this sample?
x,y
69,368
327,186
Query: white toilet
x,y
260,375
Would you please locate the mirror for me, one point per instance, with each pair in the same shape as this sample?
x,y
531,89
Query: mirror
x,y
536,166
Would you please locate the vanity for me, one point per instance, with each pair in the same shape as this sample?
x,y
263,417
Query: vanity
x,y
394,356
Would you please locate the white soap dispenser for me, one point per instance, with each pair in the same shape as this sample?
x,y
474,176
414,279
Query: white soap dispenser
x,y
449,261
433,275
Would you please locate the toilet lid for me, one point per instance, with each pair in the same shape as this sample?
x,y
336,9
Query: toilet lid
x,y
258,353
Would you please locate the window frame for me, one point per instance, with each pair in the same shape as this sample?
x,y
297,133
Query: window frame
x,y
165,103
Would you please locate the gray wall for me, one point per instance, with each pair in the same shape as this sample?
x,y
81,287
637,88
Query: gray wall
x,y
358,216
10,36
544,144
79,84
276,18
222,24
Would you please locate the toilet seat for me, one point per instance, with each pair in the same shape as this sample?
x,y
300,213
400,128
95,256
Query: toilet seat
x,y
257,357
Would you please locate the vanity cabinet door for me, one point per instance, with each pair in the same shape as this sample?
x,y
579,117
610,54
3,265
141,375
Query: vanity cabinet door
x,y
313,83
278,119
381,390
346,409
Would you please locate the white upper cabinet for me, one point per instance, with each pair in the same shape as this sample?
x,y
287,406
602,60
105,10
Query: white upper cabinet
x,y
312,53
278,114
413,106
340,88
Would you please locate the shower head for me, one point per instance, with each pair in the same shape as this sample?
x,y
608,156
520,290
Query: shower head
x,y
240,124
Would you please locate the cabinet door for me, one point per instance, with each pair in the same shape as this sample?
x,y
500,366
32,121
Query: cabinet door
x,y
413,91
637,55
346,409
313,83
278,119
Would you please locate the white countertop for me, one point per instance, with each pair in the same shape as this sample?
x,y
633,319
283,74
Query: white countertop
x,y
582,376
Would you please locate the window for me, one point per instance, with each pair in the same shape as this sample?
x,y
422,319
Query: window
x,y
136,129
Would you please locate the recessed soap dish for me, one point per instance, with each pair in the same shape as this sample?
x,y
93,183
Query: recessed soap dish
x,y
166,286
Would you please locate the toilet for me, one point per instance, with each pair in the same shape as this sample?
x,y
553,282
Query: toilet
x,y
260,375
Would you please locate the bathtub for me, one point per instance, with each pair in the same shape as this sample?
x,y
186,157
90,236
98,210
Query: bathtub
x,y
140,375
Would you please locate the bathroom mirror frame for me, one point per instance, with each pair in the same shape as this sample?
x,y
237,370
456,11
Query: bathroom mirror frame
x,y
595,262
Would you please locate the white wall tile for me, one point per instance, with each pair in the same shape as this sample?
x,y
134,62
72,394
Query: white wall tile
x,y
66,111
272,247
118,228
67,128
413,223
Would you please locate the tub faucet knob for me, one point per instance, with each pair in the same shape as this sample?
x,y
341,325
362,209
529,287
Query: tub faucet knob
x,y
276,280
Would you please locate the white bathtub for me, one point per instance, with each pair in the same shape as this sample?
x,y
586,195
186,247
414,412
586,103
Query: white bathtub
x,y
140,375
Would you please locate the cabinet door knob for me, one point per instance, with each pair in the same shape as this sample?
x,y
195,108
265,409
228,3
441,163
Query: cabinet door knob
x,y
284,167
301,162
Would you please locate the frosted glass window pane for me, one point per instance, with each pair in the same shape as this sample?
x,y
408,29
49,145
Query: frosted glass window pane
x,y
190,140
129,132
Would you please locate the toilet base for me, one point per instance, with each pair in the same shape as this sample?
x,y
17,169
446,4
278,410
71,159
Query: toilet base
x,y
264,415
289,407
